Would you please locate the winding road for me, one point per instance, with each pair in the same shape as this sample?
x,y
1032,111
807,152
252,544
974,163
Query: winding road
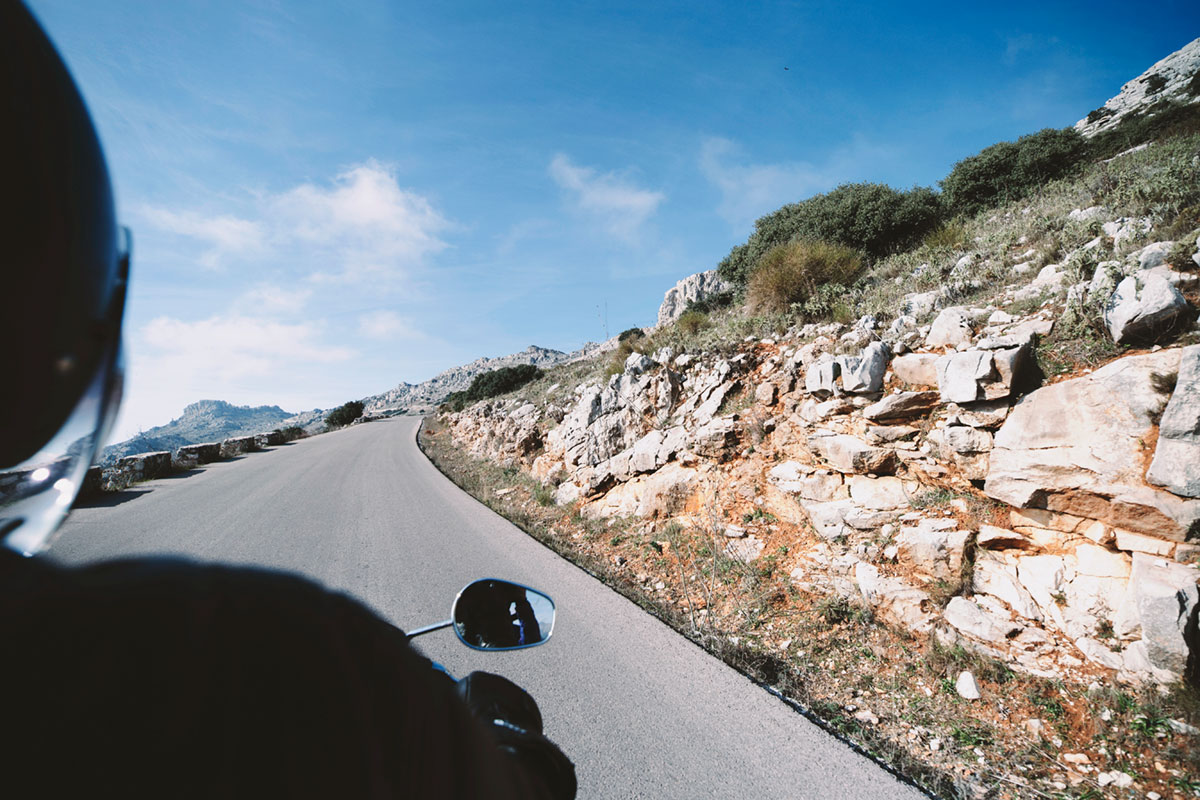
x,y
643,712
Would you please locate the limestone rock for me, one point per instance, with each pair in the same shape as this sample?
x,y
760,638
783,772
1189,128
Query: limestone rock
x,y
916,369
821,377
1076,447
894,599
996,575
1143,308
879,494
968,618
902,406
863,374
932,548
851,455
807,483
1171,81
982,374
950,328
1176,464
700,286
966,686
1166,598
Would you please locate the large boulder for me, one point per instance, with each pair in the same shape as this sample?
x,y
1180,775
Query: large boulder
x,y
916,369
950,328
1144,308
993,372
932,547
1163,599
902,405
1176,464
1079,447
852,455
863,374
700,286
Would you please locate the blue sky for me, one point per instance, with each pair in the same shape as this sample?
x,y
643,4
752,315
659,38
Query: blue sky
x,y
328,199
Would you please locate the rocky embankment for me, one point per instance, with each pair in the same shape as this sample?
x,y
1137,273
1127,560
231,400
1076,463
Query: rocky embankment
x,y
427,394
930,472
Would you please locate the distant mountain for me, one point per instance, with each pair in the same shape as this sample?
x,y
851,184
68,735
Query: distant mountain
x,y
211,421
410,396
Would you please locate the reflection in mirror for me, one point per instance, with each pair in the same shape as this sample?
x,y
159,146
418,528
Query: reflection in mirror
x,y
497,615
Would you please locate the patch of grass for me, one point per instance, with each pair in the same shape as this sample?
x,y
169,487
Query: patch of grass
x,y
792,272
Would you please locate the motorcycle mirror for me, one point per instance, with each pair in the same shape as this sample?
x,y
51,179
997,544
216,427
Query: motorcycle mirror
x,y
492,614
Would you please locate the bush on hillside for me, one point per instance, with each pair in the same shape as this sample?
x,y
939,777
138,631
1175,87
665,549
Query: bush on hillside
x,y
630,334
491,384
1009,171
692,322
344,414
870,217
714,302
792,273
291,433
1163,120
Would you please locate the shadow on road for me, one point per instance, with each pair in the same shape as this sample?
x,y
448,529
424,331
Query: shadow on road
x,y
109,500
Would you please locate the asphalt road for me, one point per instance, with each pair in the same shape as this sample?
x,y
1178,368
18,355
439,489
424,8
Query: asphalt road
x,y
642,712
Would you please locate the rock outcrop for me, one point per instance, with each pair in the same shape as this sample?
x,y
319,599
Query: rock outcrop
x,y
700,286
1168,79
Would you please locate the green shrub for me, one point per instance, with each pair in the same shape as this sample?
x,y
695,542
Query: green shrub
x,y
794,272
714,302
292,433
344,414
631,333
692,322
1009,171
870,217
491,384
1155,83
950,235
1163,120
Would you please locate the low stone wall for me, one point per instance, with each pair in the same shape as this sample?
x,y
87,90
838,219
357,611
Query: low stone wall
x,y
269,439
200,453
238,445
145,466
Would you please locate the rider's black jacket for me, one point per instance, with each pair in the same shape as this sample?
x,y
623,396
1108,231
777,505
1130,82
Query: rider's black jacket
x,y
166,679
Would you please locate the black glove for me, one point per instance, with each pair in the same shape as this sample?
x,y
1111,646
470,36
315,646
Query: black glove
x,y
512,715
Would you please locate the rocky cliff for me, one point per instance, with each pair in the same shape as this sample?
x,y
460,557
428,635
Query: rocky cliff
x,y
1088,551
1174,78
212,421
696,287
431,392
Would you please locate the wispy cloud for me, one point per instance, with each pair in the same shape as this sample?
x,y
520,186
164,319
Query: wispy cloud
x,y
361,226
749,190
386,325
1015,45
216,350
266,299
619,206
365,219
224,235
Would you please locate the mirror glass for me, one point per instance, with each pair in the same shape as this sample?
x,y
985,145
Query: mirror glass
x,y
497,615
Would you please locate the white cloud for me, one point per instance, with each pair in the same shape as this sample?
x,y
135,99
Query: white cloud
x,y
271,300
621,207
226,235
370,225
225,348
360,227
386,325
750,190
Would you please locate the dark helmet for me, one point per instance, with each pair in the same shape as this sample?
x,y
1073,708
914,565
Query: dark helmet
x,y
65,266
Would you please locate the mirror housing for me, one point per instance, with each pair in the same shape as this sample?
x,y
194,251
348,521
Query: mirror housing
x,y
492,614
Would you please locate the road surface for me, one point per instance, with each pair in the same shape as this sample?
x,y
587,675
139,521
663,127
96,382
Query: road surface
x,y
643,712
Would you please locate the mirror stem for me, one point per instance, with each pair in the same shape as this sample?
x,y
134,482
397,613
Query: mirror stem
x,y
429,629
